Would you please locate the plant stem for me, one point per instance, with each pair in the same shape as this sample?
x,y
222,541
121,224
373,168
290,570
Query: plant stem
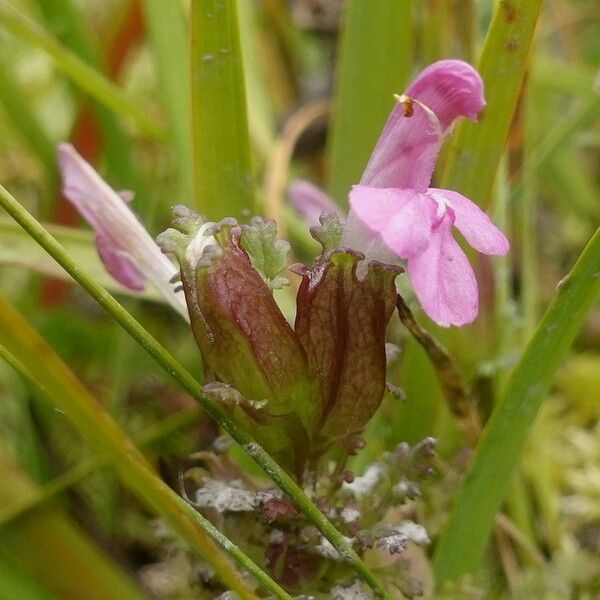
x,y
460,401
193,387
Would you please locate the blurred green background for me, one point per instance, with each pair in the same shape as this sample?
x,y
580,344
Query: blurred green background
x,y
116,79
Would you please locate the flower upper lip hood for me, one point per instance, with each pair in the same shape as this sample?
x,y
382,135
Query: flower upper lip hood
x,y
407,149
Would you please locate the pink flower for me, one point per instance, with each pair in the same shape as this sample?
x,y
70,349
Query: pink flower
x,y
395,216
126,249
310,201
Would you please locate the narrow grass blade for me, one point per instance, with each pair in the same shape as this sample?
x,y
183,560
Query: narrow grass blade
x,y
153,434
15,585
168,34
193,387
560,76
489,474
223,182
50,547
435,30
32,358
87,78
375,60
24,121
476,148
558,139
65,22
261,111
577,192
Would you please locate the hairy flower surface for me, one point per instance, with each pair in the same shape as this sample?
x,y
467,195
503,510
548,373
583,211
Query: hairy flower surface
x,y
395,216
126,249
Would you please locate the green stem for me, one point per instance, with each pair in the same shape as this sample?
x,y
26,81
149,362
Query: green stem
x,y
530,270
489,474
69,63
188,383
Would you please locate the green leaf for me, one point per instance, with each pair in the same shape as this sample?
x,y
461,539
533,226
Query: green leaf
x,y
376,55
67,562
269,256
15,585
476,148
558,139
261,112
488,477
168,35
223,181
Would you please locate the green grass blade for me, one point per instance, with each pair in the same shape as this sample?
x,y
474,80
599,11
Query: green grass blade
x,y
261,111
168,35
223,181
489,474
576,191
63,19
17,586
375,61
33,359
87,78
152,435
570,78
65,22
193,387
476,148
48,546
557,140
23,119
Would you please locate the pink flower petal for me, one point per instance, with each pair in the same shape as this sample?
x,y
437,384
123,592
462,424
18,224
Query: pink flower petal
x,y
310,201
127,250
451,89
407,149
443,279
118,265
476,227
401,217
